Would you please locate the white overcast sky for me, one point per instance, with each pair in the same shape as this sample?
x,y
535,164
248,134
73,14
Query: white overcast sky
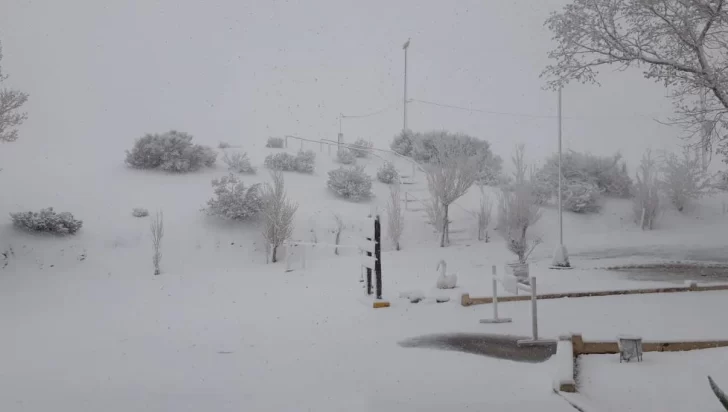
x,y
102,73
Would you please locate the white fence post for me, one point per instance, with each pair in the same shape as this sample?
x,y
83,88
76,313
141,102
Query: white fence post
x,y
495,319
534,341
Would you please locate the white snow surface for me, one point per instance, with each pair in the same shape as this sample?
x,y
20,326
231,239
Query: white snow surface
x,y
88,327
663,381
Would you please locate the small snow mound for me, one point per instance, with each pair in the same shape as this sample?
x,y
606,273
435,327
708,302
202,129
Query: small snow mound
x,y
414,296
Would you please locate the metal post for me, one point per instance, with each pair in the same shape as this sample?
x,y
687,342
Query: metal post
x,y
378,255
495,319
534,310
561,223
405,47
369,273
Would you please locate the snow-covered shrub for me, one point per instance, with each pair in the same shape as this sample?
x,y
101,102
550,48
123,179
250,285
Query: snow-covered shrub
x,y
646,200
233,200
140,212
387,173
395,216
402,143
483,214
275,142
280,161
238,162
305,160
361,147
608,173
172,151
223,145
435,213
580,197
683,179
47,221
345,156
350,182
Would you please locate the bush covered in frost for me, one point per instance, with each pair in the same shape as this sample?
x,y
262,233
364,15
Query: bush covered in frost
x,y
140,212
361,147
345,156
224,145
387,173
608,173
402,143
580,197
350,182
47,221
238,162
233,200
303,161
275,142
172,151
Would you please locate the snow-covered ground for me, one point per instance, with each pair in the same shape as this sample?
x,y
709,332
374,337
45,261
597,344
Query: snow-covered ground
x,y
88,327
667,381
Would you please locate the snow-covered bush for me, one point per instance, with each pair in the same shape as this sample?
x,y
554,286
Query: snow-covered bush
x,y
608,173
280,161
395,216
238,162
275,142
683,179
172,151
223,145
387,173
304,162
47,221
646,200
483,215
233,200
580,197
140,212
345,156
361,147
402,143
350,182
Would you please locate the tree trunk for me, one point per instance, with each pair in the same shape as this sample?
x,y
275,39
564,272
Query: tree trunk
x,y
273,258
445,238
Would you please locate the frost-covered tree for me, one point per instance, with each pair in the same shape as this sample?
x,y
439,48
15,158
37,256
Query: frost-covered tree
x,y
11,101
448,179
278,212
402,143
435,213
483,214
345,156
646,200
233,200
387,173
678,43
350,182
274,142
172,151
395,216
683,179
518,210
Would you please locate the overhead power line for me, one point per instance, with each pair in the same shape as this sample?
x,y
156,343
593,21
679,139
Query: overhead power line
x,y
450,106
368,114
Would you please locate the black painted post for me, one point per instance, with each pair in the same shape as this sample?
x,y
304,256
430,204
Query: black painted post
x,y
378,255
369,273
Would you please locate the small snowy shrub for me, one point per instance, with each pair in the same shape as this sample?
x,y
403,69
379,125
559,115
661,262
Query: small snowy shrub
x,y
402,143
350,182
280,161
47,221
233,200
304,162
387,173
140,212
275,142
238,162
683,179
156,228
361,146
172,151
345,156
224,145
580,197
608,173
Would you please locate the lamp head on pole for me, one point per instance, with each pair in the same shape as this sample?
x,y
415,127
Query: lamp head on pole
x,y
406,45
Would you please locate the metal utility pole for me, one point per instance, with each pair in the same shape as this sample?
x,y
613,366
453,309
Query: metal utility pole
x,y
561,255
405,47
561,221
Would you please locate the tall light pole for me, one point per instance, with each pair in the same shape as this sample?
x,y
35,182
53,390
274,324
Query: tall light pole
x,y
405,47
561,255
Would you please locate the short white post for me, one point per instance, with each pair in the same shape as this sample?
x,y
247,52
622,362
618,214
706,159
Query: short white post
x,y
534,308
288,257
495,319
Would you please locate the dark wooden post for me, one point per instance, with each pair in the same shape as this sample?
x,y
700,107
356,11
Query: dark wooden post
x,y
369,272
378,255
